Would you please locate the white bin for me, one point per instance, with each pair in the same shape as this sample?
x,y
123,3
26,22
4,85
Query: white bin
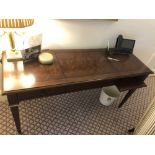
x,y
109,95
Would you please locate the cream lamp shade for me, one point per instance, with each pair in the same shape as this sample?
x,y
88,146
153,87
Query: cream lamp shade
x,y
14,23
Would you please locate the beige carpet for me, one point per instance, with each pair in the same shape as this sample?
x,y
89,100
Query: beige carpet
x,y
77,113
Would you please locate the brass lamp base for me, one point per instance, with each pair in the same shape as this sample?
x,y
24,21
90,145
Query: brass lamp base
x,y
14,55
0,56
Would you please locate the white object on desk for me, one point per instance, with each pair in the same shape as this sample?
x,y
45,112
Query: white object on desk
x,y
45,58
113,59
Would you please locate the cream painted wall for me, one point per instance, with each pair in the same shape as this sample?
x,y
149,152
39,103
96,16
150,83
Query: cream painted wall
x,y
95,34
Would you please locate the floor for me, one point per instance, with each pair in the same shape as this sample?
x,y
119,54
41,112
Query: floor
x,y
78,113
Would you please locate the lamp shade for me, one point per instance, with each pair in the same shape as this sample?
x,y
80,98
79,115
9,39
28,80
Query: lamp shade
x,y
16,23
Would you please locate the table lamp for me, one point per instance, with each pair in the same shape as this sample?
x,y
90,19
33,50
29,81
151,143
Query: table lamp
x,y
13,54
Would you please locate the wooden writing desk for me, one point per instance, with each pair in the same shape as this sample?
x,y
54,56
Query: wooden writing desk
x,y
73,70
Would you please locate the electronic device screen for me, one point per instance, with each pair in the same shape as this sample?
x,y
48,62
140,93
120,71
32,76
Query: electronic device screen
x,y
124,46
127,46
127,43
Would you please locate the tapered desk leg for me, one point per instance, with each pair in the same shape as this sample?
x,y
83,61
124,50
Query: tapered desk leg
x,y
13,104
130,92
131,130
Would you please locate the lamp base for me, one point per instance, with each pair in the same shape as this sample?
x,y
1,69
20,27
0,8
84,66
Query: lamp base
x,y
0,56
14,55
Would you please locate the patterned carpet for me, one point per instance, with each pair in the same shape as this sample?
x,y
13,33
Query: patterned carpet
x,y
77,113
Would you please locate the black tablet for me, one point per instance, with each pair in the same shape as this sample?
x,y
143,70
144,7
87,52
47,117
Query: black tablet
x,y
124,46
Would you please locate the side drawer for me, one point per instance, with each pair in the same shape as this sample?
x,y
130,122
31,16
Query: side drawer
x,y
130,83
39,93
30,94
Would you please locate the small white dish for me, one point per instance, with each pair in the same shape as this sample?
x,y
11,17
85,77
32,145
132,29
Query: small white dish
x,y
45,58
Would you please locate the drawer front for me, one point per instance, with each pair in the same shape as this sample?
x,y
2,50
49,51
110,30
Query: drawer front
x,y
30,94
72,87
130,83
41,93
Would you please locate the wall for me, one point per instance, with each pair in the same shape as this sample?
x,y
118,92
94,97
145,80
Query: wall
x,y
96,33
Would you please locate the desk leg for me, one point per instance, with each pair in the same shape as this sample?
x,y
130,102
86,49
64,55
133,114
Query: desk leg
x,y
13,104
131,130
130,92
